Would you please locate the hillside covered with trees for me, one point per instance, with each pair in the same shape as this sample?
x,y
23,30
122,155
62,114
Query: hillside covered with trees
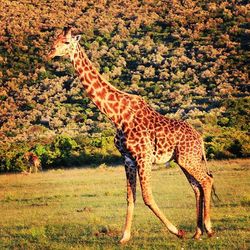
x,y
188,59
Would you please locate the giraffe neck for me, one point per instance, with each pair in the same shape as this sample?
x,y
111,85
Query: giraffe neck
x,y
105,96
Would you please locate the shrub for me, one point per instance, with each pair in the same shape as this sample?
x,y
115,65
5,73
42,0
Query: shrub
x,y
11,158
58,152
227,143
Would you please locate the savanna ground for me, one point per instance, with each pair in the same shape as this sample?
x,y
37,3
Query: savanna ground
x,y
85,209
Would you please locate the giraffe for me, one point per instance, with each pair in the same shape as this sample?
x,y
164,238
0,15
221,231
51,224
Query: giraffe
x,y
33,161
144,137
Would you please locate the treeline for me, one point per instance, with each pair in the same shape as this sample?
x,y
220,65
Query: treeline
x,y
188,59
61,151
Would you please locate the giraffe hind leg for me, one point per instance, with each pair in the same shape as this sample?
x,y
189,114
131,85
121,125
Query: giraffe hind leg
x,y
207,188
199,196
202,181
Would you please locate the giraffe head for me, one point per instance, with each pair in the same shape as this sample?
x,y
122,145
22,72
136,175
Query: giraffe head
x,y
64,44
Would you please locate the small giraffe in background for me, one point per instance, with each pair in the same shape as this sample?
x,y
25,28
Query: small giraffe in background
x,y
34,163
144,137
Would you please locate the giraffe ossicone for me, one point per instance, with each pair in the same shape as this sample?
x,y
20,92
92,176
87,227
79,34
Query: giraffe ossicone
x,y
143,137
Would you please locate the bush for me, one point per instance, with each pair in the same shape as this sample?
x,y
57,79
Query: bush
x,y
59,152
11,158
227,143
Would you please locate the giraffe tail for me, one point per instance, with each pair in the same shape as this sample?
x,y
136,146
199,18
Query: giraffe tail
x,y
214,194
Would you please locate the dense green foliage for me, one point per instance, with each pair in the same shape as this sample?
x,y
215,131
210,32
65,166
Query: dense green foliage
x,y
188,59
62,150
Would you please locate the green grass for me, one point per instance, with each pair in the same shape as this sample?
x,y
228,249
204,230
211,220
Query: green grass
x,y
85,209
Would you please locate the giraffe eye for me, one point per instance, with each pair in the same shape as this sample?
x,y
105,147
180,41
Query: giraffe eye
x,y
67,42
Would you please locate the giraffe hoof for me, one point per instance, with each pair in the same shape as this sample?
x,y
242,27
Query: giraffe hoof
x,y
125,239
210,234
197,236
181,234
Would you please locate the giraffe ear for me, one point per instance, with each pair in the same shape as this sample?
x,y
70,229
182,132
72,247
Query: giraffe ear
x,y
77,38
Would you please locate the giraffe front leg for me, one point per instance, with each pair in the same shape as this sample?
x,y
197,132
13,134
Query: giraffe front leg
x,y
130,168
144,172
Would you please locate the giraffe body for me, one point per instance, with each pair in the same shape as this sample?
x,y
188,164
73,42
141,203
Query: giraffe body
x,y
33,162
144,137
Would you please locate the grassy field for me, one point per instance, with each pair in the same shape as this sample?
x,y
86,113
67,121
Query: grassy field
x,y
85,209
